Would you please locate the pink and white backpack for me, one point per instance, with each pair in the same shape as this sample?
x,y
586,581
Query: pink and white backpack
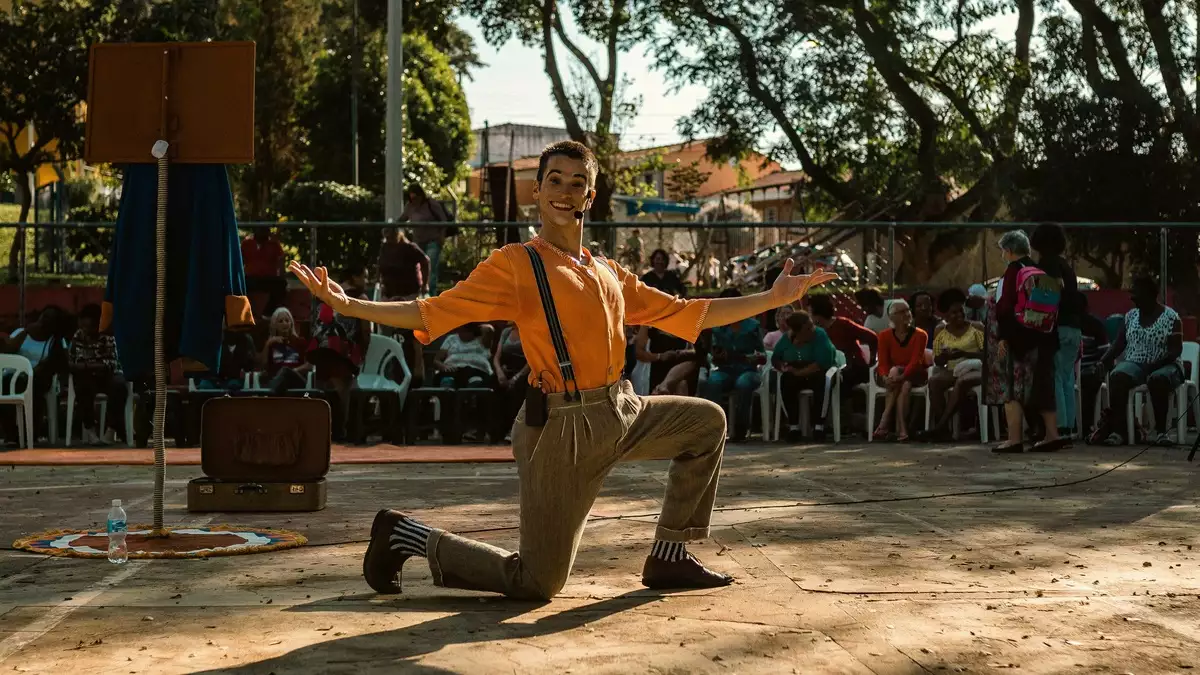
x,y
1038,297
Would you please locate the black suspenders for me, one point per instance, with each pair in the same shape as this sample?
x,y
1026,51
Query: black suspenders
x,y
556,332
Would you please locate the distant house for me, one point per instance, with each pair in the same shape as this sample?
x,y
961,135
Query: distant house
x,y
723,176
494,145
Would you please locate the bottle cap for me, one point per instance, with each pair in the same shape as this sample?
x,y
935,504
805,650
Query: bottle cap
x,y
116,502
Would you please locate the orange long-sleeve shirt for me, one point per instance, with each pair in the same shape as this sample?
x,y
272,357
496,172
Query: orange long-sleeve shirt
x,y
593,305
909,355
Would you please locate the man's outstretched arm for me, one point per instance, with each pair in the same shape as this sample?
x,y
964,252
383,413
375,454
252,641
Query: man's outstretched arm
x,y
398,314
788,288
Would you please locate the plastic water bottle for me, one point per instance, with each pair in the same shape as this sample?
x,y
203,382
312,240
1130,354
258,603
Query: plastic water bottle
x,y
117,550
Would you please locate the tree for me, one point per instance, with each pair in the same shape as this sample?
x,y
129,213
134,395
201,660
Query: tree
x,y
904,111
43,78
1115,135
434,20
683,183
435,110
286,34
594,107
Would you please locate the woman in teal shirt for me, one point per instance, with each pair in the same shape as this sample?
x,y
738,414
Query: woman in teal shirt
x,y
802,356
735,368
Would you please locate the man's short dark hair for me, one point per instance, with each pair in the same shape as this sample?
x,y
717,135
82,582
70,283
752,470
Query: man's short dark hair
x,y
1049,239
730,293
574,150
821,305
949,297
90,311
868,296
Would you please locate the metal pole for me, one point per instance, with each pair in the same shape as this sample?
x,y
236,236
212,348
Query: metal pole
x,y
1162,263
394,163
508,174
892,261
354,92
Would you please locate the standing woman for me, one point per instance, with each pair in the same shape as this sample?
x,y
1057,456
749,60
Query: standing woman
x,y
1020,360
1049,240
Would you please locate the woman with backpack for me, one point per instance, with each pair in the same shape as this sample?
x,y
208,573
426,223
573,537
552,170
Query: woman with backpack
x,y
1050,242
1021,343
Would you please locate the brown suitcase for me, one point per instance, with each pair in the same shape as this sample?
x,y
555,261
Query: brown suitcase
x,y
206,495
262,454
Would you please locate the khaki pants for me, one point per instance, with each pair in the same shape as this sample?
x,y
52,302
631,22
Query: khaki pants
x,y
561,468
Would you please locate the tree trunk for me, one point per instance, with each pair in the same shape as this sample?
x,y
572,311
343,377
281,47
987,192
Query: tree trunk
x,y
601,212
25,200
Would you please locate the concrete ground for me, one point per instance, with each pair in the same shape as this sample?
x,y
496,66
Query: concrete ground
x,y
1091,577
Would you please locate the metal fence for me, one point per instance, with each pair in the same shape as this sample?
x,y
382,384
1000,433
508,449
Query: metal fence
x,y
894,256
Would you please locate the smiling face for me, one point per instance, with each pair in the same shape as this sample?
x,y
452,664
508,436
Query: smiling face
x,y
923,306
565,189
955,316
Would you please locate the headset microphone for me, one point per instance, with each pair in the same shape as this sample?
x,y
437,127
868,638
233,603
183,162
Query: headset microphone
x,y
579,215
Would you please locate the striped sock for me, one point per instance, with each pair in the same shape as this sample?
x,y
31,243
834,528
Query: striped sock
x,y
669,551
410,537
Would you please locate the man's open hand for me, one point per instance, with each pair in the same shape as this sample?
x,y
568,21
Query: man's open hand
x,y
789,287
319,284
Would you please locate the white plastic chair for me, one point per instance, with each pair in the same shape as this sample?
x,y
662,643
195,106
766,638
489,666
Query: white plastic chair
x,y
1140,405
256,387
380,352
766,375
874,391
17,365
1191,385
833,400
102,402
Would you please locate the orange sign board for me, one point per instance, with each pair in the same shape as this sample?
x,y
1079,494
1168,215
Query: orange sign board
x,y
198,96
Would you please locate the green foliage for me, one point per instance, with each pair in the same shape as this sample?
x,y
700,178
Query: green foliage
x,y
287,35
631,179
436,113
683,183
337,246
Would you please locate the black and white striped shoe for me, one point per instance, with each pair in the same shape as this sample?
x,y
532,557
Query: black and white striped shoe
x,y
394,539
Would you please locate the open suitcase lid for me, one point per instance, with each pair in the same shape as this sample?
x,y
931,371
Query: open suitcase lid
x,y
265,439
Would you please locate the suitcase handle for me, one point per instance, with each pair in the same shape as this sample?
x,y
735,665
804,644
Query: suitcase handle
x,y
251,487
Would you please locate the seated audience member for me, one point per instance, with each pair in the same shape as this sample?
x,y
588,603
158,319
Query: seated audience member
x,y
337,347
42,343
659,350
802,357
901,367
282,356
464,359
848,338
957,361
872,304
238,357
512,378
1092,346
94,370
735,349
663,278
976,307
781,317
1149,349
921,303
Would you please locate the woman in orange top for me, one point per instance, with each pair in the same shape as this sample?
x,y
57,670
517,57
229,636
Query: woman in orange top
x,y
594,419
901,367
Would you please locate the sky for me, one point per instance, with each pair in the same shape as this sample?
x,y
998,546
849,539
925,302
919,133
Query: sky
x,y
513,87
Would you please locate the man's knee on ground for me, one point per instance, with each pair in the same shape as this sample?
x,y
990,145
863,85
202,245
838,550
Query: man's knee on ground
x,y
541,585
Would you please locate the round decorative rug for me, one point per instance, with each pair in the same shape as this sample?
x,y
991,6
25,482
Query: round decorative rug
x,y
183,542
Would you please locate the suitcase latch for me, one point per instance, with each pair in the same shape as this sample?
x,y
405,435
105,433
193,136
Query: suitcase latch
x,y
206,489
251,487
296,489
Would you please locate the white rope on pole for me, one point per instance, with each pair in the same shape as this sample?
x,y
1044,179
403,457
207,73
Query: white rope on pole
x,y
160,365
